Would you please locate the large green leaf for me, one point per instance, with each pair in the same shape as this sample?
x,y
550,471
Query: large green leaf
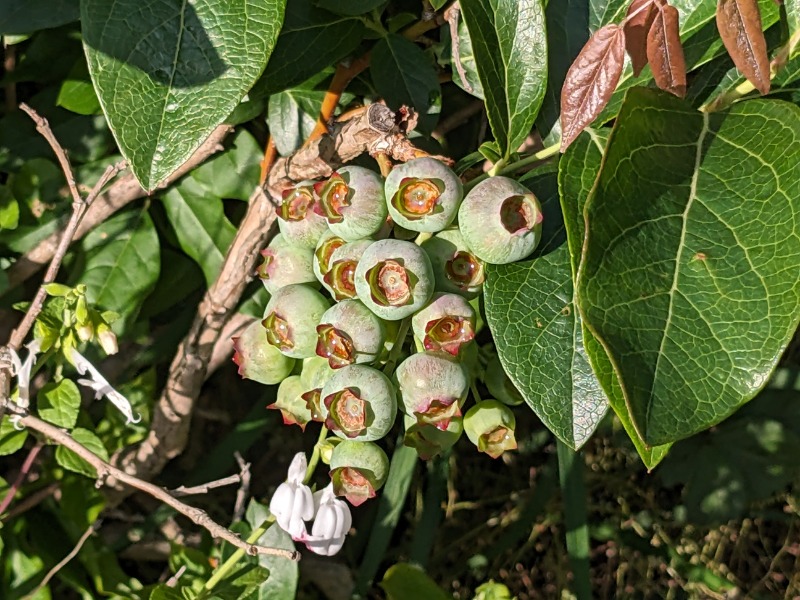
x,y
510,47
689,273
233,173
203,230
71,461
168,72
26,16
122,262
59,403
404,74
577,171
531,312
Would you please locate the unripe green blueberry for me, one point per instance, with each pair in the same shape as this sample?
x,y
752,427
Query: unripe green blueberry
x,y
291,403
291,319
501,220
499,385
358,470
394,279
285,264
258,359
433,387
349,333
447,323
352,202
315,372
298,218
321,262
430,441
490,426
359,403
340,278
423,195
455,267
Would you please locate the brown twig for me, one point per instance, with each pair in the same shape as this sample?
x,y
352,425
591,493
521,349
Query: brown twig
x,y
205,487
21,476
31,500
244,489
106,472
270,154
451,16
64,561
456,119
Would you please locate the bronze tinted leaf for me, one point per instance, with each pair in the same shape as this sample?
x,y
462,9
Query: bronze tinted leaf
x,y
665,53
591,80
739,25
636,27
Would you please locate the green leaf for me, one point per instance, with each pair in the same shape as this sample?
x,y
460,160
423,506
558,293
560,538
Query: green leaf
x,y
59,403
233,173
350,8
27,16
72,462
510,46
577,171
283,574
403,74
531,312
467,59
167,73
9,209
11,439
310,40
77,92
291,117
403,581
122,262
689,272
203,230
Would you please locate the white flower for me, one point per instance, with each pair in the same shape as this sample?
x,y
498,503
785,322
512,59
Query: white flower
x,y
23,371
100,386
293,503
331,524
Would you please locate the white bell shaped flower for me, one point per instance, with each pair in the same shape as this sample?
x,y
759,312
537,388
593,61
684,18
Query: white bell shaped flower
x,y
331,524
292,503
100,386
23,371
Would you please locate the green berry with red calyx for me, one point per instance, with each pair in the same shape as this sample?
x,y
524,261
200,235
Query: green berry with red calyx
x,y
353,203
394,279
299,219
358,470
291,403
447,323
291,318
423,195
501,220
359,403
315,372
455,268
430,441
258,359
490,426
321,262
350,333
499,384
340,278
432,387
285,264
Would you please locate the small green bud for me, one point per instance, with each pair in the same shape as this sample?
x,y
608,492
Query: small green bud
x,y
490,426
57,289
358,470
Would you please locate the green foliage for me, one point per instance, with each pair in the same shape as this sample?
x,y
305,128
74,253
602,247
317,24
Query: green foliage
x,y
59,403
71,461
404,581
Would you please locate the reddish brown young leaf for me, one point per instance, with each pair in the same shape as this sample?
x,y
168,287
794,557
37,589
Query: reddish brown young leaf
x,y
739,25
665,53
638,21
591,80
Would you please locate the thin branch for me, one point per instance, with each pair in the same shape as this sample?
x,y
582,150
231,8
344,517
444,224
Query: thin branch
x,y
31,500
196,490
244,489
105,472
64,561
21,476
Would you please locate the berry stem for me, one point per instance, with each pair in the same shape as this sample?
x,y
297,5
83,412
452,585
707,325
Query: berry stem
x,y
515,166
315,455
397,347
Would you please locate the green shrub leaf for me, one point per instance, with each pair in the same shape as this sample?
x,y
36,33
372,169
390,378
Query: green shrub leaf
x,y
689,272
72,462
59,403
26,16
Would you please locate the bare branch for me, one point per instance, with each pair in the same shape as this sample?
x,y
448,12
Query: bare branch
x,y
244,489
64,561
21,476
206,487
106,472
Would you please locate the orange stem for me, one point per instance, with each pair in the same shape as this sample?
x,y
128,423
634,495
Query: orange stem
x,y
270,154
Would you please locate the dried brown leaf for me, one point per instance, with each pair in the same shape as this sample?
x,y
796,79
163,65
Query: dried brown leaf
x,y
638,21
665,53
739,25
591,80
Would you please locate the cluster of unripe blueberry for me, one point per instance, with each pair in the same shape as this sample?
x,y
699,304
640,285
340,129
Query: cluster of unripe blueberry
x,y
334,351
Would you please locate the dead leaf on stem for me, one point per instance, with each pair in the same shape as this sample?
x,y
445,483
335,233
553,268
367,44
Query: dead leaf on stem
x,y
638,21
665,53
739,25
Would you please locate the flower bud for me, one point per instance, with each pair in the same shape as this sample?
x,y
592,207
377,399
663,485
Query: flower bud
x,y
455,268
499,385
352,202
339,280
291,319
432,388
358,470
298,219
423,195
285,264
359,403
490,426
107,338
394,279
501,220
258,359
349,333
430,441
291,403
292,503
447,323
